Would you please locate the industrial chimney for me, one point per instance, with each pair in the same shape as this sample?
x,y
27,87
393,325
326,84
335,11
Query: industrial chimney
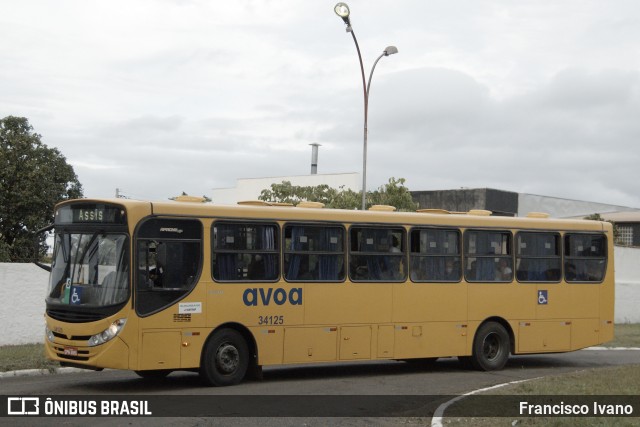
x,y
314,158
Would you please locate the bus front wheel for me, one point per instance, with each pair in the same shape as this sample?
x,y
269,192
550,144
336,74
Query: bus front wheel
x,y
490,347
225,359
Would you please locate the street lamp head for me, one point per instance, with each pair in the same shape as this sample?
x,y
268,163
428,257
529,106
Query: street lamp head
x,y
342,10
390,50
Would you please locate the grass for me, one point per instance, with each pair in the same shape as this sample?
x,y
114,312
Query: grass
x,y
619,380
626,335
27,356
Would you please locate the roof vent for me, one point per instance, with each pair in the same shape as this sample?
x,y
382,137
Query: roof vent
x,y
382,208
191,199
312,205
479,212
254,203
434,211
537,215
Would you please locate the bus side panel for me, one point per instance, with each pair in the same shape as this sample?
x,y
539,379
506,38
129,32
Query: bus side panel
x,y
430,302
430,318
544,336
584,333
506,300
348,303
270,342
317,344
433,339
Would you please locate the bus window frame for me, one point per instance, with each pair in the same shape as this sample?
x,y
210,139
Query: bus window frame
x,y
459,256
466,256
565,258
278,252
285,252
403,256
560,256
135,260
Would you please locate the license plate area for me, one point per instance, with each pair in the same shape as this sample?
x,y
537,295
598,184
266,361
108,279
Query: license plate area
x,y
71,351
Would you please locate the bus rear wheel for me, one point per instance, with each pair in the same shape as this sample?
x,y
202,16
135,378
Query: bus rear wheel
x,y
225,359
490,347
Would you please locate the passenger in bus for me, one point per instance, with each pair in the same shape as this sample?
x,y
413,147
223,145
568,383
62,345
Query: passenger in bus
x,y
570,272
504,271
451,271
393,264
473,271
256,269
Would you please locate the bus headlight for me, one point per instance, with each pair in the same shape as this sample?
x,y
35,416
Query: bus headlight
x,y
108,334
49,334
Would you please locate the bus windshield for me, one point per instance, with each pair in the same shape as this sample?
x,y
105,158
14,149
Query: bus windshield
x,y
89,269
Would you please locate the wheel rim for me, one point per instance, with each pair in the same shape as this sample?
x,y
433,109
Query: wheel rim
x,y
227,358
491,346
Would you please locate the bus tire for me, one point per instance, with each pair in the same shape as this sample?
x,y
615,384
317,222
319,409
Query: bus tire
x,y
490,347
225,359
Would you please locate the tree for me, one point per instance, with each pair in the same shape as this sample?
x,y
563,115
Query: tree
x,y
33,178
393,193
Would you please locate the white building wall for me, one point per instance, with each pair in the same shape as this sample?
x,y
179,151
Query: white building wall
x,y
250,188
23,289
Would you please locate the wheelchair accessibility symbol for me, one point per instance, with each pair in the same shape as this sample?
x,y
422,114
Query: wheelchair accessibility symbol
x,y
76,295
542,297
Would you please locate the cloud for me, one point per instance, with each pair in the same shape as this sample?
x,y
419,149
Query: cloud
x,y
160,97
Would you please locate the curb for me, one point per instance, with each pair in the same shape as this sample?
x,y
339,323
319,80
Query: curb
x,y
40,372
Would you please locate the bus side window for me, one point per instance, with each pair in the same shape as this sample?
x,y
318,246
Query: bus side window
x,y
488,256
377,254
245,252
538,257
435,255
314,253
585,257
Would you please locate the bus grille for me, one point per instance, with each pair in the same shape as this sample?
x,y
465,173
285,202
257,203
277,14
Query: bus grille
x,y
74,316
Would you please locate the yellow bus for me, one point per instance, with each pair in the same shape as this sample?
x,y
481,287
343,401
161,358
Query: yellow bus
x,y
156,287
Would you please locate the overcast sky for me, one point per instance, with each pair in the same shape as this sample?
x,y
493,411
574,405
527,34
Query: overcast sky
x,y
164,96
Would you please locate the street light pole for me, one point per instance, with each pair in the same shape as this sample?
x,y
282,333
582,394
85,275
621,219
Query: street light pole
x,y
342,10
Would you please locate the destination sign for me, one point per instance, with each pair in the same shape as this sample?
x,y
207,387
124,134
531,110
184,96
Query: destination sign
x,y
90,213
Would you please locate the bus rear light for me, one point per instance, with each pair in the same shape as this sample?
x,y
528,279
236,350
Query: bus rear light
x,y
108,334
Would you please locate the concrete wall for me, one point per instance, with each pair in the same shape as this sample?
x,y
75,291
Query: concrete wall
x,y
23,289
627,267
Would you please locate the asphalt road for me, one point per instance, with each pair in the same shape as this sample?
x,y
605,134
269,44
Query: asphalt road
x,y
391,378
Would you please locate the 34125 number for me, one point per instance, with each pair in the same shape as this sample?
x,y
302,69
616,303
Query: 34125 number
x,y
270,320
